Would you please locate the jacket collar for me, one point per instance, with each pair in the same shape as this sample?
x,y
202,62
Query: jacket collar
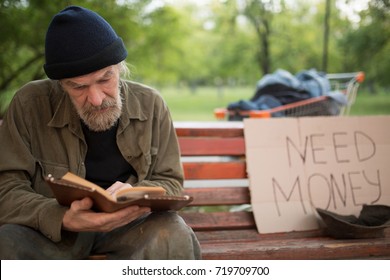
x,y
132,108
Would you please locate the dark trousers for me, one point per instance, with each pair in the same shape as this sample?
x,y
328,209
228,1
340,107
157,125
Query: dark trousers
x,y
155,236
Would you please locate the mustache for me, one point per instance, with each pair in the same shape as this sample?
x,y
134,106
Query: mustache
x,y
107,103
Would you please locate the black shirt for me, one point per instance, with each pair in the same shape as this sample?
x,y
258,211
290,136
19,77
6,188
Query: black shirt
x,y
104,162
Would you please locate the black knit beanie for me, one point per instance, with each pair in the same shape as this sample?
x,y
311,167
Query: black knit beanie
x,y
79,42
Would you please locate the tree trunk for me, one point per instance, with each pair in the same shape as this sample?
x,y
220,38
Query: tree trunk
x,y
326,37
259,17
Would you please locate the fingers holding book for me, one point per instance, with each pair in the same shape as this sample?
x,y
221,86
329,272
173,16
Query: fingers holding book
x,y
80,218
118,186
71,187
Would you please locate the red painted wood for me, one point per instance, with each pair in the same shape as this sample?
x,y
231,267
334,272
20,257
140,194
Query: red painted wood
x,y
296,249
219,196
214,170
215,129
219,220
212,146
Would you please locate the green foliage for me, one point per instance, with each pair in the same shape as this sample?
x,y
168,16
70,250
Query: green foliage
x,y
368,47
224,43
159,54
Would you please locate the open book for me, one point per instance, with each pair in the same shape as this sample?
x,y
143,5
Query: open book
x,y
71,187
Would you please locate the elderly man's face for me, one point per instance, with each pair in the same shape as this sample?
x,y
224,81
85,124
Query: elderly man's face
x,y
96,97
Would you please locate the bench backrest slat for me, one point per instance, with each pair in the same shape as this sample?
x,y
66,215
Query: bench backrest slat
x,y
214,170
212,146
212,129
222,196
219,220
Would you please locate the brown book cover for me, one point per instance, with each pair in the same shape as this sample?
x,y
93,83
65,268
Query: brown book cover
x,y
71,187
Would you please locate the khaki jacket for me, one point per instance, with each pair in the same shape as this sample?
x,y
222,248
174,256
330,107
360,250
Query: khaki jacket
x,y
41,134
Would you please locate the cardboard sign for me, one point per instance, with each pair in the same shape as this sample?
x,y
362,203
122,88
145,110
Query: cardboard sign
x,y
295,165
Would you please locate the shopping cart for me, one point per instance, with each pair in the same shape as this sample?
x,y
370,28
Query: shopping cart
x,y
347,83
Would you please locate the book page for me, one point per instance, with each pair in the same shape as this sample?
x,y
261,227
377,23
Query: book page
x,y
124,194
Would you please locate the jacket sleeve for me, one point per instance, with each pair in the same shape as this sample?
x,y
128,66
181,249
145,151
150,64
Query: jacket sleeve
x,y
19,202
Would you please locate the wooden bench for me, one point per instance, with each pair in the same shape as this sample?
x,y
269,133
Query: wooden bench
x,y
213,156
216,151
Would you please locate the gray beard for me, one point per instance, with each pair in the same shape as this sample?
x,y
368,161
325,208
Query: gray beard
x,y
101,121
97,121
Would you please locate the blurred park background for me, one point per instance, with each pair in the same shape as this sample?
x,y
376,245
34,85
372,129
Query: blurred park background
x,y
203,54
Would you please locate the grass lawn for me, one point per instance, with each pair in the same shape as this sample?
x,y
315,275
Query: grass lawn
x,y
199,105
371,104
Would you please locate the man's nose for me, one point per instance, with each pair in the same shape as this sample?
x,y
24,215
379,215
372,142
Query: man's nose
x,y
95,96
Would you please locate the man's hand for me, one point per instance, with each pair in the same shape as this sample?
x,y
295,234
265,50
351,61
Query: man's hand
x,y
114,188
79,217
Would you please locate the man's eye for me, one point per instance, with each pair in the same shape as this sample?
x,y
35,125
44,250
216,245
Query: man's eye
x,y
79,87
104,81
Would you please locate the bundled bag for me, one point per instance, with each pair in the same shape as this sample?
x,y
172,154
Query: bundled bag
x,y
281,88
